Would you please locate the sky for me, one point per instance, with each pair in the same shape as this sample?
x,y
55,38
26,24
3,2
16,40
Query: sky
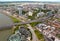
x,y
33,0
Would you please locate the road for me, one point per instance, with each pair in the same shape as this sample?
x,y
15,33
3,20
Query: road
x,y
27,22
29,26
45,35
33,33
36,20
34,37
47,39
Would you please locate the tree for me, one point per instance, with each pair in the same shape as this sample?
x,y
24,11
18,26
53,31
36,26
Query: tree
x,y
23,12
17,12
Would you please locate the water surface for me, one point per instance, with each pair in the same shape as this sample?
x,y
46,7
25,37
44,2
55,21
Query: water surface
x,y
5,21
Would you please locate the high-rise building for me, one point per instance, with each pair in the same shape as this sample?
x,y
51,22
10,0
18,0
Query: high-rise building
x,y
44,5
20,10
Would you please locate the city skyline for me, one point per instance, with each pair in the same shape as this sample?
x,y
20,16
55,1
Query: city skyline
x,y
33,0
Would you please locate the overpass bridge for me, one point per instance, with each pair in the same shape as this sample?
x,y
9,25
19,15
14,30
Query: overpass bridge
x,y
36,20
27,22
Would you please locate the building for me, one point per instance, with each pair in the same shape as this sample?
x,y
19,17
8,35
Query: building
x,y
45,28
20,8
22,34
17,37
49,13
55,24
30,13
40,14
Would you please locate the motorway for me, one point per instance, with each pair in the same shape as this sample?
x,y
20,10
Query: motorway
x,y
29,26
34,37
27,22
36,20
33,33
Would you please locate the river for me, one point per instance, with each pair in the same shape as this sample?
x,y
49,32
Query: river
x,y
5,22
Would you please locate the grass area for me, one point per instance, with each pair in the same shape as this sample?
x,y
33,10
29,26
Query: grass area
x,y
14,19
39,35
45,11
34,23
31,17
58,35
58,19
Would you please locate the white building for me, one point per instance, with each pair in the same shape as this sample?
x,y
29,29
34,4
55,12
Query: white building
x,y
40,14
20,8
30,13
56,39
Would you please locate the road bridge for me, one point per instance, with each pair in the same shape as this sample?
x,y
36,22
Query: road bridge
x,y
28,22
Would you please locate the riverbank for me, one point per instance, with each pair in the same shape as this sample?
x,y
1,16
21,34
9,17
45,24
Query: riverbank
x,y
7,31
15,20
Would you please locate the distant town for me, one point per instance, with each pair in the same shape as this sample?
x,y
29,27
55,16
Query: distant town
x,y
29,21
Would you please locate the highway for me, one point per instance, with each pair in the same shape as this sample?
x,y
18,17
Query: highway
x,y
36,20
28,22
29,26
34,37
33,33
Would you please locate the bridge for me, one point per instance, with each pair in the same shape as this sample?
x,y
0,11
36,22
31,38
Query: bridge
x,y
36,20
27,22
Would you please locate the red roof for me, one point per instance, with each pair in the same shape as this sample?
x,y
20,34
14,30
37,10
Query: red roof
x,y
54,24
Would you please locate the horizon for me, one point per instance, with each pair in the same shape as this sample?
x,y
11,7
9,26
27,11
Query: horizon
x,y
30,0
